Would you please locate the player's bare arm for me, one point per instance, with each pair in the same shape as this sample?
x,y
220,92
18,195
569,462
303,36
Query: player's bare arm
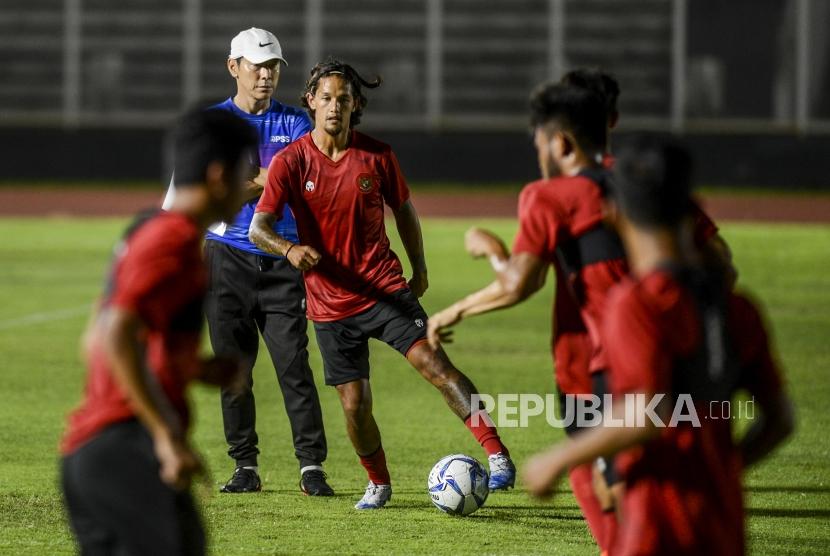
x,y
120,331
776,423
523,276
409,228
85,342
301,257
483,243
543,470
255,185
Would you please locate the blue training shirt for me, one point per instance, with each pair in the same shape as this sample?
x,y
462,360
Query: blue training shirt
x,y
276,129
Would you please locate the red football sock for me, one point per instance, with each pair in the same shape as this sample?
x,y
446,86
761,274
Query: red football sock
x,y
609,528
375,466
581,478
485,432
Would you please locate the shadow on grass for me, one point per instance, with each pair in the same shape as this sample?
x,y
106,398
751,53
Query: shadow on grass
x,y
788,512
787,488
297,492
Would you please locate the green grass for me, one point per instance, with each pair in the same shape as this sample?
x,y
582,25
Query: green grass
x,y
51,265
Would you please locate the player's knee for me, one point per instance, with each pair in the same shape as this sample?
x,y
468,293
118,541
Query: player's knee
x,y
355,404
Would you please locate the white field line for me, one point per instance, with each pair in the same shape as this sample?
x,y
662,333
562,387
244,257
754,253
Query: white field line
x,y
45,316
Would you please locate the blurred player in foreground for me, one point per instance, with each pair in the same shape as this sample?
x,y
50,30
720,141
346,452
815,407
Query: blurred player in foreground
x,y
127,462
676,335
572,343
561,224
337,181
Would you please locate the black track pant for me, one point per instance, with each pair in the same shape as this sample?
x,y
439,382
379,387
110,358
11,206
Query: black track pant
x,y
117,504
251,295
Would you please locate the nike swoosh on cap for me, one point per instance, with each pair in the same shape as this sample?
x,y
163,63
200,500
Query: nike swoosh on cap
x,y
262,45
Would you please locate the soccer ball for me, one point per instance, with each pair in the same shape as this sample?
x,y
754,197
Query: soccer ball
x,y
457,485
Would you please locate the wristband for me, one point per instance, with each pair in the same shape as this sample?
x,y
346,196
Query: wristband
x,y
293,245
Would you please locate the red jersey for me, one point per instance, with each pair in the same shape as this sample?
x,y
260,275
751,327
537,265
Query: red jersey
x,y
572,346
552,213
683,488
159,275
339,212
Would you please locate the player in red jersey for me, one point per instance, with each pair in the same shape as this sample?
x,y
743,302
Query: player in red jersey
x,y
126,461
337,181
561,224
706,238
677,332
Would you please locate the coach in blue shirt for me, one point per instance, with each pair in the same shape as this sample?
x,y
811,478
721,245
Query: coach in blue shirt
x,y
252,292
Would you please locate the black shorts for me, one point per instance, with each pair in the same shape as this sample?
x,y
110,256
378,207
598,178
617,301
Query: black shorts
x,y
117,503
398,320
599,385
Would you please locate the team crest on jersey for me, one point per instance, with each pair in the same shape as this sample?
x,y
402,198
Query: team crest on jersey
x,y
419,323
309,186
365,182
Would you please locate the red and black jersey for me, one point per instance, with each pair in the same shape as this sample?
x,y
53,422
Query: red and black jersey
x,y
683,488
339,207
159,275
575,349
561,222
572,346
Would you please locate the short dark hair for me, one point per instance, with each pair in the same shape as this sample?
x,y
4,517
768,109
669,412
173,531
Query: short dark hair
x,y
652,180
573,109
601,83
204,136
333,66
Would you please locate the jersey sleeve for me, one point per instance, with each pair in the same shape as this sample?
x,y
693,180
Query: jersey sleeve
x,y
283,172
150,280
394,189
631,336
761,374
537,226
704,227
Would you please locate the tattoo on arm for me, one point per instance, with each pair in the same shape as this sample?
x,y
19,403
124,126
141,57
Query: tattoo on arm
x,y
262,234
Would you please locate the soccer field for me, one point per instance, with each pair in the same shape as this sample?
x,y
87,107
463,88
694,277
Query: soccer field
x,y
51,269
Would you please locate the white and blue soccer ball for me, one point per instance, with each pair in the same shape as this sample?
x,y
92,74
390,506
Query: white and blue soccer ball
x,y
457,484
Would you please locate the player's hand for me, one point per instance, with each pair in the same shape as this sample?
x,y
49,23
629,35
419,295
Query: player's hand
x,y
419,283
177,461
542,472
261,176
482,243
439,326
256,184
303,257
225,372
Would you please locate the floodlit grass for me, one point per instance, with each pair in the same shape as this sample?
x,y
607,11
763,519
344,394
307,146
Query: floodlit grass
x,y
50,269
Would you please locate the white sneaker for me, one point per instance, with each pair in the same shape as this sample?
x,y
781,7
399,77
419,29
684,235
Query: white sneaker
x,y
502,472
375,497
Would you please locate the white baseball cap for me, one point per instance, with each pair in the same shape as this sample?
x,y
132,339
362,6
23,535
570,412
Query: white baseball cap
x,y
257,46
